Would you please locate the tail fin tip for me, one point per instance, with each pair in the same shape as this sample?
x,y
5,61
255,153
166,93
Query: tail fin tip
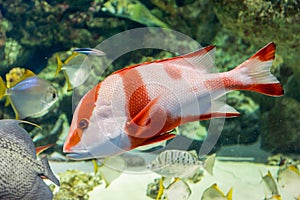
x,y
271,89
266,53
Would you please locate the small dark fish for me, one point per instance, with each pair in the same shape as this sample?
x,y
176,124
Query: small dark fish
x,y
31,97
21,172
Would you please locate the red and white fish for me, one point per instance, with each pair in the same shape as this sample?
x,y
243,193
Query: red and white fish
x,y
140,104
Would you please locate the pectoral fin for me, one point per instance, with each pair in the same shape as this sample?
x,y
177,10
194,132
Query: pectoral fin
x,y
48,172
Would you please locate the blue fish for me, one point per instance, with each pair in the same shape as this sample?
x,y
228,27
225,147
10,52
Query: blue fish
x,y
89,51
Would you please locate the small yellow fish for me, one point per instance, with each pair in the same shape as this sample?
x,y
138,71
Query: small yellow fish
x,y
274,197
214,193
289,180
179,189
31,97
75,74
110,168
270,184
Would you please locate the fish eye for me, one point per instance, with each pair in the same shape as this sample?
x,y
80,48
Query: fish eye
x,y
54,95
50,95
83,123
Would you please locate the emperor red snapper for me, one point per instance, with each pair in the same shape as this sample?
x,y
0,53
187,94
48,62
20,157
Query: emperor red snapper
x,y
140,104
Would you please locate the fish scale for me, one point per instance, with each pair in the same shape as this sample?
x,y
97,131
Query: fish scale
x,y
22,180
13,150
179,157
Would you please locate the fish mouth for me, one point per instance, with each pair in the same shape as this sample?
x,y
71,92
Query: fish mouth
x,y
79,154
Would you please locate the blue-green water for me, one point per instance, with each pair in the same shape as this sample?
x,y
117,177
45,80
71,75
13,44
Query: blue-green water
x,y
264,137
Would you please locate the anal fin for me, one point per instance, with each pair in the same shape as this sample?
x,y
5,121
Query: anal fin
x,y
217,109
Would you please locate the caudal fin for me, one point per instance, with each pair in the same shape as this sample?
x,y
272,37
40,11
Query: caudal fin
x,y
2,88
255,75
59,65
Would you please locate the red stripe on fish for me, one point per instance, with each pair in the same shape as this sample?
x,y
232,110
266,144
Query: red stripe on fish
x,y
266,53
274,89
83,112
73,140
173,72
136,94
89,100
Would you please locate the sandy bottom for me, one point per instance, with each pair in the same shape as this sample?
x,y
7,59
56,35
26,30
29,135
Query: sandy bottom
x,y
244,177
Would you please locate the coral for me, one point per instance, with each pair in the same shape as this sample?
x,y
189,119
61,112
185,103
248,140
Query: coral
x,y
15,75
152,189
280,127
11,54
75,185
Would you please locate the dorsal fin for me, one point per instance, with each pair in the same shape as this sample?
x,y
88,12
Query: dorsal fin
x,y
202,59
43,148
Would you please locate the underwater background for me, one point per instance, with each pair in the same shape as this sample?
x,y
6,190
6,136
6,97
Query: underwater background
x,y
266,136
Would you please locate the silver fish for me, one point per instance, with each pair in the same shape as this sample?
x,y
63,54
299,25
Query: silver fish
x,y
214,193
20,171
179,189
74,73
270,184
31,97
289,180
179,164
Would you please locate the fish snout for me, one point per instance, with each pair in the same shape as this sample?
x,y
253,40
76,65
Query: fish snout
x,y
71,143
